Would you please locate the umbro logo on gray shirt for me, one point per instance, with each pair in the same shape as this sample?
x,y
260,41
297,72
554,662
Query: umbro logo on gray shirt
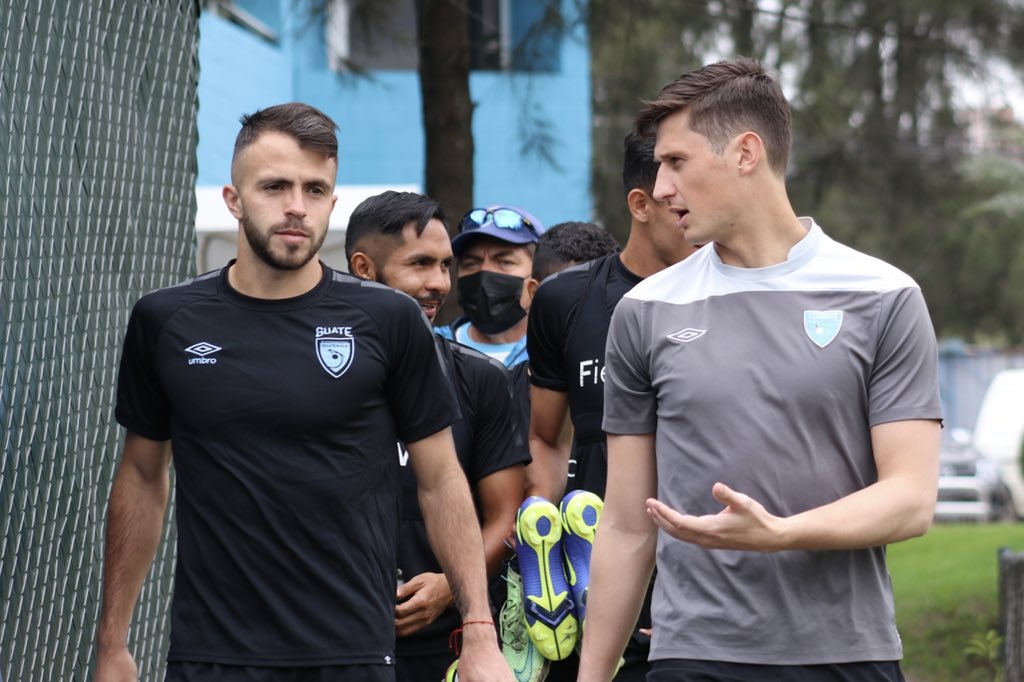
x,y
687,335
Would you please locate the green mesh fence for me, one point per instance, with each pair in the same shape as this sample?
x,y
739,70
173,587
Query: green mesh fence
x,y
97,176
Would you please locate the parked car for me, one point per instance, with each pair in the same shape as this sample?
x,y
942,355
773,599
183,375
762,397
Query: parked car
x,y
999,430
970,485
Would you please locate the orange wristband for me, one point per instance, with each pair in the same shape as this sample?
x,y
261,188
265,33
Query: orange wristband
x,y
478,622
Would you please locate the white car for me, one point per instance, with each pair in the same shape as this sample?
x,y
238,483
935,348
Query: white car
x,y
999,430
970,486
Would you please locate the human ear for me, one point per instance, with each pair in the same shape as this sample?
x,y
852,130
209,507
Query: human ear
x,y
637,202
361,265
751,152
232,200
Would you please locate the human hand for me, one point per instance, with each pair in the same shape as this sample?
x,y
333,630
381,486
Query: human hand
x,y
480,659
743,524
115,666
420,601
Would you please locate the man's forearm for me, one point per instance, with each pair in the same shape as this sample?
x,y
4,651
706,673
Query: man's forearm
x,y
900,505
623,556
455,538
135,517
500,495
883,513
547,473
620,570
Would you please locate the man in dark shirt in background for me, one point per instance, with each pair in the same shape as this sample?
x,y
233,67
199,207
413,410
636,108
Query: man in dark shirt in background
x,y
568,325
400,239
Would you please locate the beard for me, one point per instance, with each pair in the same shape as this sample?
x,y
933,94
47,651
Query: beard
x,y
290,256
435,298
430,300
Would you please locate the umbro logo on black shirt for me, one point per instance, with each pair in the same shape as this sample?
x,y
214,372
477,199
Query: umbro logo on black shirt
x,y
202,349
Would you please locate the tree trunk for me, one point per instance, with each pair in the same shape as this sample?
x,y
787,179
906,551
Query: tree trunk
x,y
743,28
443,34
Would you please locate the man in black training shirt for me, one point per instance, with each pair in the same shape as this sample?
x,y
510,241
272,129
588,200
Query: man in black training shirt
x,y
568,323
400,239
572,309
283,387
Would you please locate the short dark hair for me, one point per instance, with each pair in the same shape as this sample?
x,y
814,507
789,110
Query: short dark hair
x,y
387,214
310,127
639,169
725,99
570,242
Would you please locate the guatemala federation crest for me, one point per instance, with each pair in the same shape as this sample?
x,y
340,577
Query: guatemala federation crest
x,y
335,348
822,326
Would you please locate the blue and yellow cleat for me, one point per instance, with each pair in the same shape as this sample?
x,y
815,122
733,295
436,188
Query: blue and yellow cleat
x,y
550,618
452,674
581,510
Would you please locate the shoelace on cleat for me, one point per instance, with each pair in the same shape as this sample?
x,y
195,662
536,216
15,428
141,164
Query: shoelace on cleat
x,y
513,628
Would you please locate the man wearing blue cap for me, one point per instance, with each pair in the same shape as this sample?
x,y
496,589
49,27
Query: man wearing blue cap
x,y
494,256
494,259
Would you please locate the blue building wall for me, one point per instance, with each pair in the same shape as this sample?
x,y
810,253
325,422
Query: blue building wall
x,y
381,135
239,72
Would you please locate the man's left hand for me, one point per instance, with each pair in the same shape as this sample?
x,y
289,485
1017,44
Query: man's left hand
x,y
743,524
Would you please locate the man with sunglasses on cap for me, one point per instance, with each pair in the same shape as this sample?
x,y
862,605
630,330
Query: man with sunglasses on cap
x,y
494,256
494,259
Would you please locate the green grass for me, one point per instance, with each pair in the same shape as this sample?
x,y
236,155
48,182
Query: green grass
x,y
946,586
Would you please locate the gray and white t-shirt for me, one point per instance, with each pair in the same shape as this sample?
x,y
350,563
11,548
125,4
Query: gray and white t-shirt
x,y
770,380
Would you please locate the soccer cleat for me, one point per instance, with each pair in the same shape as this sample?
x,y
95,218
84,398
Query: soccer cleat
x,y
550,619
520,653
581,511
452,674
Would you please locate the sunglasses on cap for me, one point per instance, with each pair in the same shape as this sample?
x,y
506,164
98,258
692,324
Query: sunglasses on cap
x,y
504,218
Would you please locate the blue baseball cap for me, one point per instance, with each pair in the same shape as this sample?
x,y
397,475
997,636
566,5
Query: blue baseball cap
x,y
506,223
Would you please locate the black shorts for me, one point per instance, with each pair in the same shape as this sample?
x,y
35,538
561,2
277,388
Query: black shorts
x,y
185,671
688,670
426,668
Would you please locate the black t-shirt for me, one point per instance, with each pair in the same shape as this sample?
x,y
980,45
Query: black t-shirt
x,y
568,330
569,320
283,417
487,439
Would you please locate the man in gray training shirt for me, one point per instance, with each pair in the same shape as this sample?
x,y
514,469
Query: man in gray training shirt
x,y
773,416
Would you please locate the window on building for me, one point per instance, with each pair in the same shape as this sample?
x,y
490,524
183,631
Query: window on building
x,y
519,35
363,34
259,16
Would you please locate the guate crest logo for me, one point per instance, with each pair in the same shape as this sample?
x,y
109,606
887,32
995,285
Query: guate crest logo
x,y
335,348
822,326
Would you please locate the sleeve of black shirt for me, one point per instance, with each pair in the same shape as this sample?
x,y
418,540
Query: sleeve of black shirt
x,y
550,312
142,405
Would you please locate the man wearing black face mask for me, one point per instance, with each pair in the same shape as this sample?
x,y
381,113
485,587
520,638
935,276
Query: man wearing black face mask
x,y
494,256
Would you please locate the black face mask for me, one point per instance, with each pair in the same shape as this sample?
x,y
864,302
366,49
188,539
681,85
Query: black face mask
x,y
491,300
